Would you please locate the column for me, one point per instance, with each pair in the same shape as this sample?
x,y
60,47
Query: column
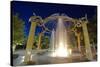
x,y
39,41
87,41
30,42
78,40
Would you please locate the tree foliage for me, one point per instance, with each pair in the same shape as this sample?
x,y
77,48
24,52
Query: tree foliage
x,y
45,42
92,28
18,29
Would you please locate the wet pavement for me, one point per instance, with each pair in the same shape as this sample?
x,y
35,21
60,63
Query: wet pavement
x,y
45,58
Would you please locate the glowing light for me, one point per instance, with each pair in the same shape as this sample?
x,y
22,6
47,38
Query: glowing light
x,y
70,51
61,51
22,59
60,41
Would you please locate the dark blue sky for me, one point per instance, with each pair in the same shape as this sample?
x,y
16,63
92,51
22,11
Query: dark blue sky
x,y
26,9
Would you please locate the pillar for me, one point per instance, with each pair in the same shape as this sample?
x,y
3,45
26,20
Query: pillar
x,y
78,41
87,41
30,42
39,41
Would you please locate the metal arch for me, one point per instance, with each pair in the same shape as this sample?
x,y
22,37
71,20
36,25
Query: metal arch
x,y
77,22
33,18
66,18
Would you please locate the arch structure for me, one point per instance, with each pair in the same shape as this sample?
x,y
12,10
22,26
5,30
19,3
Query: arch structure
x,y
78,23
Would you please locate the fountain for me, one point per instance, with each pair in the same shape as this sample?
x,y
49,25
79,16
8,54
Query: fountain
x,y
52,40
59,41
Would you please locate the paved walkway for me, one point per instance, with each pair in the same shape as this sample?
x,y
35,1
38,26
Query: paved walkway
x,y
46,58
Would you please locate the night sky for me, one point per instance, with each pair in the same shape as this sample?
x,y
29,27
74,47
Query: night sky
x,y
26,9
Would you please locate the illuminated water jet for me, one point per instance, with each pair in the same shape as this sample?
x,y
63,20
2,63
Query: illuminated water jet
x,y
60,40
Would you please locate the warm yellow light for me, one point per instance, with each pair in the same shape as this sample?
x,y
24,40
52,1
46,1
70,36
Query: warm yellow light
x,y
70,51
61,51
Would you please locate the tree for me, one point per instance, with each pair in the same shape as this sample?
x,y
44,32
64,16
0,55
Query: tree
x,y
18,30
92,27
45,42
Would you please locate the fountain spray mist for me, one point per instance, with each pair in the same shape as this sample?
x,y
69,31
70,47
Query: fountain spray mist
x,y
61,45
